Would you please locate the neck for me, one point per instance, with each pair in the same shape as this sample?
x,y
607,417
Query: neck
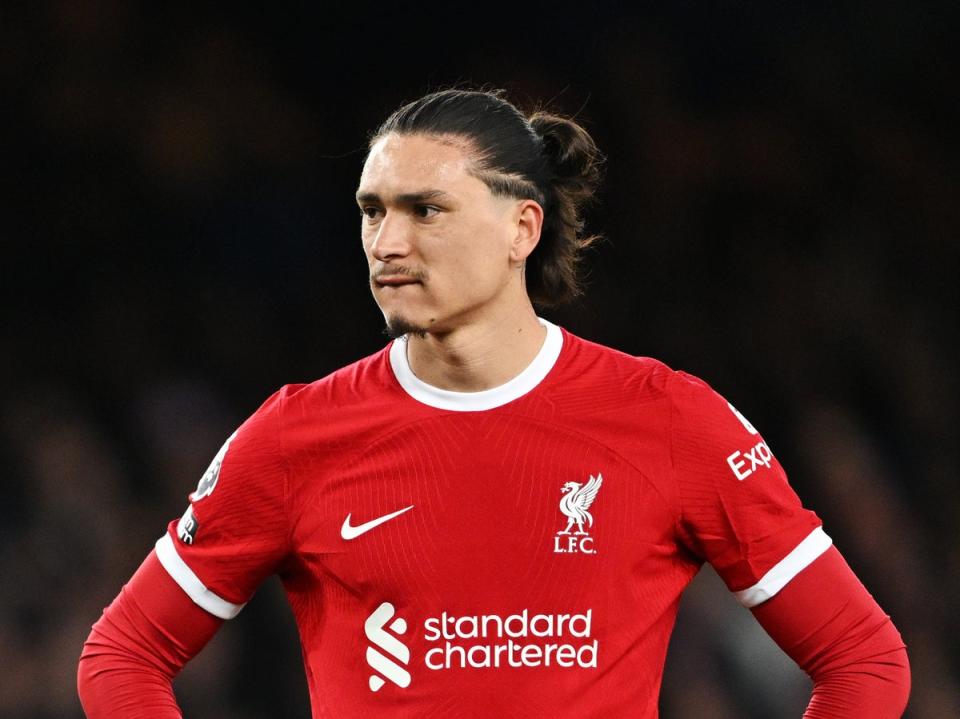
x,y
480,355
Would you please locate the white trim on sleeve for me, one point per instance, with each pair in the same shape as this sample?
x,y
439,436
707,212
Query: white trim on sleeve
x,y
802,556
190,583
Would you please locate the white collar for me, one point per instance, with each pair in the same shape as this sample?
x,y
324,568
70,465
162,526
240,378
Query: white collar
x,y
485,399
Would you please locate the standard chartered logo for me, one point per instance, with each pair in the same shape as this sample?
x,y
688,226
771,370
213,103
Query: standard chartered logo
x,y
374,629
484,641
517,640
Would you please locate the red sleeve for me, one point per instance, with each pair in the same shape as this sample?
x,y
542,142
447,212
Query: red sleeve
x,y
139,644
828,623
233,535
235,532
737,510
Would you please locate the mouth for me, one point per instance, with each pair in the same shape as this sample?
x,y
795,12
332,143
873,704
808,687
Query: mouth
x,y
394,281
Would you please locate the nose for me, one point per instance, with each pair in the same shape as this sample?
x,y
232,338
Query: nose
x,y
392,239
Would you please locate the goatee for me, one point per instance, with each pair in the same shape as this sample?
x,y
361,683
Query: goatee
x,y
398,327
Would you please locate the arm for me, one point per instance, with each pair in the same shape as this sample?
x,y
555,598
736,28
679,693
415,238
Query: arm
x,y
738,511
233,535
828,623
143,639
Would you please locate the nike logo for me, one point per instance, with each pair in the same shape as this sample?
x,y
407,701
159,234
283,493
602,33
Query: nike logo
x,y
348,532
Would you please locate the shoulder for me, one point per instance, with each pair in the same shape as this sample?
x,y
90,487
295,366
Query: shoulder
x,y
360,381
695,402
622,378
631,374
347,402
648,374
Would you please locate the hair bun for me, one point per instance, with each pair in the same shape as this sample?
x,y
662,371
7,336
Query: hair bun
x,y
572,154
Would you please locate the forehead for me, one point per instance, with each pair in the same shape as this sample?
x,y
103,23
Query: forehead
x,y
400,163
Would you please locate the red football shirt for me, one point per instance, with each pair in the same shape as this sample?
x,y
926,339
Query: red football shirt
x,y
514,552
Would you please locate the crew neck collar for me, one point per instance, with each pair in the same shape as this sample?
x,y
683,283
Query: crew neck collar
x,y
486,399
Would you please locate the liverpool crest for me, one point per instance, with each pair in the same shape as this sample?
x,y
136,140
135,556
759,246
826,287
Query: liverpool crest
x,y
575,504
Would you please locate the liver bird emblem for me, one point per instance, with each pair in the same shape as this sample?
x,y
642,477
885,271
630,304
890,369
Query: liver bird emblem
x,y
577,499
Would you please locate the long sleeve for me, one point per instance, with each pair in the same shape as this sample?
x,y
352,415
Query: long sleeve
x,y
828,623
142,640
202,571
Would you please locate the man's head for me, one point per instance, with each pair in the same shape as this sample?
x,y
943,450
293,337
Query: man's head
x,y
467,203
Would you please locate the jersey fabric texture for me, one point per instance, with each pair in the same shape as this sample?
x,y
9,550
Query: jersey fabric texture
x,y
515,552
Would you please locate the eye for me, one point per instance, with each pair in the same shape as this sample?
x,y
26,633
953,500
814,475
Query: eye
x,y
371,212
425,211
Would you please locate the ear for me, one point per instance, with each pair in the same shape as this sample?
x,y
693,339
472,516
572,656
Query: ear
x,y
528,220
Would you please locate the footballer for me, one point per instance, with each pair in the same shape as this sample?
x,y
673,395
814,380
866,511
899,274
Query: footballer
x,y
490,517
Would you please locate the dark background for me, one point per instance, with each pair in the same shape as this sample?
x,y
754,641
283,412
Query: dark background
x,y
179,238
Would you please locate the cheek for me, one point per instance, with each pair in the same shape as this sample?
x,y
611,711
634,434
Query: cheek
x,y
489,251
366,241
475,274
473,250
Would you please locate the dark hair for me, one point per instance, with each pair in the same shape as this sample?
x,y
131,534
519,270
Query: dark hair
x,y
542,157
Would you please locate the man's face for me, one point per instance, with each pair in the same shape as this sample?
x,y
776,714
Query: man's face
x,y
437,241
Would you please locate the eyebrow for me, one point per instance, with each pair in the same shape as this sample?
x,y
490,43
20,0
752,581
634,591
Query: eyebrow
x,y
406,198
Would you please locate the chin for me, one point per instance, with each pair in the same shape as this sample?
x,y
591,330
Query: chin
x,y
399,326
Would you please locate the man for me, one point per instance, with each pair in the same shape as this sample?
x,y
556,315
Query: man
x,y
490,517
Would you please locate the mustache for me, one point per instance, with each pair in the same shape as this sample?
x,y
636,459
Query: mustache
x,y
398,271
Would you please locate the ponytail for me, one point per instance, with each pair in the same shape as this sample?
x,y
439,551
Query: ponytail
x,y
574,164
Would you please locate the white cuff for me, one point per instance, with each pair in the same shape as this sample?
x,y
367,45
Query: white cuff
x,y
802,556
190,583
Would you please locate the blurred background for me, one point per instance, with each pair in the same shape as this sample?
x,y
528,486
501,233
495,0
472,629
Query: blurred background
x,y
179,238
